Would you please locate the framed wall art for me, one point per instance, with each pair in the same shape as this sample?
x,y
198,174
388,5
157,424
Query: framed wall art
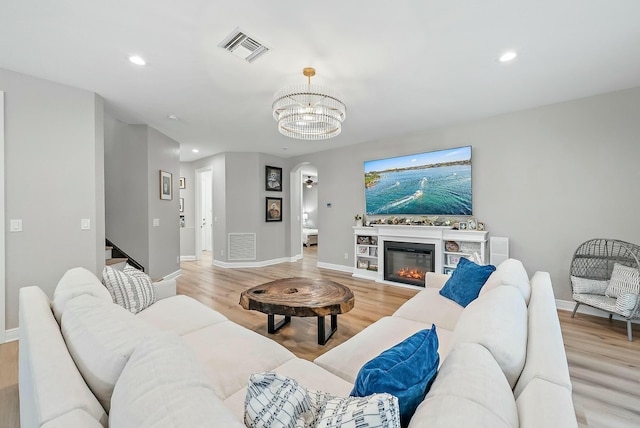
x,y
166,185
273,209
273,178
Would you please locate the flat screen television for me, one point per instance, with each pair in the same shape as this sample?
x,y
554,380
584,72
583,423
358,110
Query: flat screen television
x,y
433,183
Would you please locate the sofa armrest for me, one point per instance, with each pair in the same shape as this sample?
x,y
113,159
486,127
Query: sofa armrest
x,y
436,280
165,288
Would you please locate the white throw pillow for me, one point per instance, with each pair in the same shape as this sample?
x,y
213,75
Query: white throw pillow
x,y
163,385
132,289
624,279
588,286
101,337
275,400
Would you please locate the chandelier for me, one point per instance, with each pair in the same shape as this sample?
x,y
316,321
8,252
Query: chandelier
x,y
308,112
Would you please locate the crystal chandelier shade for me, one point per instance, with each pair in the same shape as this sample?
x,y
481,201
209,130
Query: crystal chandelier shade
x,y
308,112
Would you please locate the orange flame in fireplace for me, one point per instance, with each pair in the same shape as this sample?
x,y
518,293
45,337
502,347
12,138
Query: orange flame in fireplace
x,y
411,273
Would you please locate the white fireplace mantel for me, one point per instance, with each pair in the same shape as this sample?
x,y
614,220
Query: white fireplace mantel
x,y
435,235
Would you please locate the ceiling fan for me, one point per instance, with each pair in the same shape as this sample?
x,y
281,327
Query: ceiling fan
x,y
309,182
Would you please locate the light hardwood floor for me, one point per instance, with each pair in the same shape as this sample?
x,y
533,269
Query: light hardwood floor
x,y
604,366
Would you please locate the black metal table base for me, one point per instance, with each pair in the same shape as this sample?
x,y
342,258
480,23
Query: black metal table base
x,y
323,335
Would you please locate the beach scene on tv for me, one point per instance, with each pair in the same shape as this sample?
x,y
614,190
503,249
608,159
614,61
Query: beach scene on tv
x,y
434,183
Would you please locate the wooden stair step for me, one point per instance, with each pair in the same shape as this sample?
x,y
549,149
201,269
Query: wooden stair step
x,y
115,261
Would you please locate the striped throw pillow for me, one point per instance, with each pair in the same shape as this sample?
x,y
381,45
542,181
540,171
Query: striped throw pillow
x,y
624,280
132,289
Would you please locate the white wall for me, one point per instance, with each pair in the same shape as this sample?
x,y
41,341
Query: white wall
x,y
53,146
548,178
310,204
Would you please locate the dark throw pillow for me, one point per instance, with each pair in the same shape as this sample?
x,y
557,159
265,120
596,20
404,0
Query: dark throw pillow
x,y
466,281
405,371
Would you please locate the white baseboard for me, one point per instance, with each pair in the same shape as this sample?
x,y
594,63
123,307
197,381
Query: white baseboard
x,y
341,268
565,305
174,275
244,264
11,335
187,258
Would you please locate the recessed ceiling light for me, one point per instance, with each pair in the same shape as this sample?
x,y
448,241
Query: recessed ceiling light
x,y
137,60
195,151
508,56
172,117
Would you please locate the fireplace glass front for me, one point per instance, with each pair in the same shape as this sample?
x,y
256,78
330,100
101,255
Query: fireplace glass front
x,y
408,262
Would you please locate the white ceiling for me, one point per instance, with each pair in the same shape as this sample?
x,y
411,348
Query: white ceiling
x,y
400,66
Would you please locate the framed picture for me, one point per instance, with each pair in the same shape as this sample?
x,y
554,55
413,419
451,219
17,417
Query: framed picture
x,y
166,185
363,240
373,266
363,264
181,205
183,182
481,226
463,225
472,224
452,259
363,249
273,178
273,210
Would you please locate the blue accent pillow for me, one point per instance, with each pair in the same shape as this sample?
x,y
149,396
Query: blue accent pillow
x,y
405,370
466,281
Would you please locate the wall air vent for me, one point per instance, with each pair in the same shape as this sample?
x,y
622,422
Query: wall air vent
x,y
242,246
243,46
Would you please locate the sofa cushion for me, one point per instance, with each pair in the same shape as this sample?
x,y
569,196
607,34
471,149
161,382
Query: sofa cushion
x,y
546,357
546,404
130,288
510,272
406,371
100,337
180,314
624,280
250,353
76,282
498,321
466,281
588,286
50,384
346,359
162,385
429,307
276,401
469,391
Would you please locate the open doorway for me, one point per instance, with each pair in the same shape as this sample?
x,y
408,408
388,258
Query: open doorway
x,y
204,212
309,206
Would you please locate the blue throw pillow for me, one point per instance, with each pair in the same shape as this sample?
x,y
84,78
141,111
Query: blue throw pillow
x,y
406,371
466,281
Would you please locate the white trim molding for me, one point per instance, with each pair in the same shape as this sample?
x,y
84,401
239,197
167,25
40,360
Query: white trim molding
x,y
11,335
340,268
173,275
238,265
188,258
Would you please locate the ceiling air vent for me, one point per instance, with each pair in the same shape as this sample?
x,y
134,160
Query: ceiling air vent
x,y
243,46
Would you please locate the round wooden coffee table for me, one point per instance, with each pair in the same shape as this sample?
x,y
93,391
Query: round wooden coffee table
x,y
299,297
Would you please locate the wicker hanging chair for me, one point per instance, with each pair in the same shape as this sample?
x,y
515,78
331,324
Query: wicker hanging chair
x,y
591,271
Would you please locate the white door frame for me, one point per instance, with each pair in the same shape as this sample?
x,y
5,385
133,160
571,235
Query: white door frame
x,y
198,211
3,303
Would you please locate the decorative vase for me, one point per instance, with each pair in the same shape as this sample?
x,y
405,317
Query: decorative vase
x,y
358,223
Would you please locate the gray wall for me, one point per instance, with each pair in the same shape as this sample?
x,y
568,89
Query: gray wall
x,y
239,203
163,153
53,168
126,188
547,178
187,233
134,156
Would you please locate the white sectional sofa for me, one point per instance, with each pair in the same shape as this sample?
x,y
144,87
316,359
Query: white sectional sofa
x,y
180,363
